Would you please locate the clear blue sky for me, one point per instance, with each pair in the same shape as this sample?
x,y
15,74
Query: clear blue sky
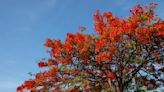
x,y
24,25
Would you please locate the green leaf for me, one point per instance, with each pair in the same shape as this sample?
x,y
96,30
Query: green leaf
x,y
61,67
131,87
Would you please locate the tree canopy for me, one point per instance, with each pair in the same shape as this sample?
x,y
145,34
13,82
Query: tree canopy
x,y
124,54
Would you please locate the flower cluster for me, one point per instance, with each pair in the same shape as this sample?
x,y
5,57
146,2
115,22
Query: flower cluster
x,y
110,58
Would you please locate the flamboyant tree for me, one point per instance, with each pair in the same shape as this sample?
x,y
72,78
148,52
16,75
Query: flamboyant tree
x,y
124,54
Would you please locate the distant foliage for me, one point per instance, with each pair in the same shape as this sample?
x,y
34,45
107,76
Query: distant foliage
x,y
124,54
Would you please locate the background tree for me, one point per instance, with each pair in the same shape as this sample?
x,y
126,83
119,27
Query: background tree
x,y
124,54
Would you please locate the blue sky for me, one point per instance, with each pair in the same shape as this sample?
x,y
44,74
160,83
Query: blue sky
x,y
24,25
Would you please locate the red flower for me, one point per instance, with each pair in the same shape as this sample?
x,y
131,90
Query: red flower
x,y
20,88
51,62
110,75
65,60
90,71
46,74
48,42
161,33
75,71
68,47
74,89
107,14
54,69
70,37
57,43
42,64
155,53
29,84
137,10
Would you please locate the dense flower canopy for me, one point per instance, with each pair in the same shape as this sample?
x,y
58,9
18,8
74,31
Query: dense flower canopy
x,y
122,55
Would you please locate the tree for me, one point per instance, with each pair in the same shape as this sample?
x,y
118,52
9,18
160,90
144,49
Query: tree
x,y
124,54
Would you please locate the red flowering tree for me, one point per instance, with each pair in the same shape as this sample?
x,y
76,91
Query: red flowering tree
x,y
124,54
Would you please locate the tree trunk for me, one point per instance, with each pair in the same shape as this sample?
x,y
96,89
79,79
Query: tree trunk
x,y
111,86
